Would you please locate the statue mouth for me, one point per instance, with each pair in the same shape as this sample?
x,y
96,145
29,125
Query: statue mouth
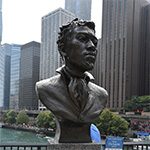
x,y
90,57
91,54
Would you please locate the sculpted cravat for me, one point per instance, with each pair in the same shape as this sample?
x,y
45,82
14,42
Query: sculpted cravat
x,y
78,91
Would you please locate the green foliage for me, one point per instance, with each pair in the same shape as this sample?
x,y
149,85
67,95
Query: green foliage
x,y
45,119
112,124
139,103
22,118
4,117
10,117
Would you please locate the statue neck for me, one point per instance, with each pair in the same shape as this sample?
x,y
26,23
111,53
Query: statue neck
x,y
74,71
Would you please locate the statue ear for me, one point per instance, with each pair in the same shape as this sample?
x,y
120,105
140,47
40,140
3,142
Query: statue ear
x,y
63,54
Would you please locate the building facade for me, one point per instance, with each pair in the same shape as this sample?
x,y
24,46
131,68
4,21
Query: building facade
x,y
2,58
7,62
1,24
147,54
122,50
8,72
29,75
81,8
14,76
49,56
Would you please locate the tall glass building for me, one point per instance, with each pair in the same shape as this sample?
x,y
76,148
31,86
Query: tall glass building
x,y
1,77
14,76
9,75
1,21
81,8
7,61
49,56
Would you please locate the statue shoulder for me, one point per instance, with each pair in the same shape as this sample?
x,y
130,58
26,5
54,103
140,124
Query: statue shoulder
x,y
101,92
47,82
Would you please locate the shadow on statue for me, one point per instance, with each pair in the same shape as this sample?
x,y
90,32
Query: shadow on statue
x,y
71,95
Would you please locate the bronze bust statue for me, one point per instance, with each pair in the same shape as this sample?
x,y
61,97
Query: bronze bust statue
x,y
71,95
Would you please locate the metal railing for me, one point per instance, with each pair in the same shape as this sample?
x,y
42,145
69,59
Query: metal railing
x,y
134,146
23,146
137,146
126,146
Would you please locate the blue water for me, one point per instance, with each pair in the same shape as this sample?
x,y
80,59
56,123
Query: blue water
x,y
8,136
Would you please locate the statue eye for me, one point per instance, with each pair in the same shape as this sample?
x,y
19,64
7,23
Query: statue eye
x,y
95,42
82,38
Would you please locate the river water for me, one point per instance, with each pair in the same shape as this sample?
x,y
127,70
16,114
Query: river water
x,y
14,136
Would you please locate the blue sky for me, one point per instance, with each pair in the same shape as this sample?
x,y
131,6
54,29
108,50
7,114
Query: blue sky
x,y
22,18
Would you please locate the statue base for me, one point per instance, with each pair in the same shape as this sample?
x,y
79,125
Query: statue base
x,y
74,146
71,132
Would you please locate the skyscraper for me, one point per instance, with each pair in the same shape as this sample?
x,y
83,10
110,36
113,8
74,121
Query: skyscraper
x,y
49,57
2,57
7,61
123,49
8,70
147,54
29,75
0,21
81,8
14,76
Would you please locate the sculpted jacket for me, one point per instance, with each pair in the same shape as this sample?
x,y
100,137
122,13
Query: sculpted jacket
x,y
55,94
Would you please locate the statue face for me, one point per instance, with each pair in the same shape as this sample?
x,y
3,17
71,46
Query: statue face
x,y
81,48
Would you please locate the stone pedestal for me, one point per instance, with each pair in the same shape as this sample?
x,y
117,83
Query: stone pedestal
x,y
71,132
74,146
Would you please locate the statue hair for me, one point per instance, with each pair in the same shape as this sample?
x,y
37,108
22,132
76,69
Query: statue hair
x,y
66,30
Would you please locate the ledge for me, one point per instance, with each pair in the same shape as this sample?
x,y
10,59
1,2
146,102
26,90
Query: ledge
x,y
74,146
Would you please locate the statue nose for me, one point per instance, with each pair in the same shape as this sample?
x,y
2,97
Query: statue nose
x,y
91,47
90,44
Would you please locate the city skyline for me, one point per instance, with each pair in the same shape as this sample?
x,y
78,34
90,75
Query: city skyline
x,y
19,27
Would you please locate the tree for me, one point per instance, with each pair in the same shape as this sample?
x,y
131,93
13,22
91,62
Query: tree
x,y
45,119
4,117
138,103
22,118
111,124
10,116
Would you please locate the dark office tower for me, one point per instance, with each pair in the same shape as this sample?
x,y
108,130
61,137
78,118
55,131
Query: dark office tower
x,y
49,55
0,21
81,8
122,49
2,58
14,76
7,61
146,59
29,75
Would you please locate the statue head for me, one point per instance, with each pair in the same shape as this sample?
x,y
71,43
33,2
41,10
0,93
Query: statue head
x,y
77,44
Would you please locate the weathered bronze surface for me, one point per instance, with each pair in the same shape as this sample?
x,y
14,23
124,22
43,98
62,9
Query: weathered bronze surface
x,y
71,96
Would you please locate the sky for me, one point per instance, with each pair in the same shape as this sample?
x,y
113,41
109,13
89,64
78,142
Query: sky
x,y
22,18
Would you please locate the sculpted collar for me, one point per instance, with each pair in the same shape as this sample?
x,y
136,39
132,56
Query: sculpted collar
x,y
77,86
87,76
